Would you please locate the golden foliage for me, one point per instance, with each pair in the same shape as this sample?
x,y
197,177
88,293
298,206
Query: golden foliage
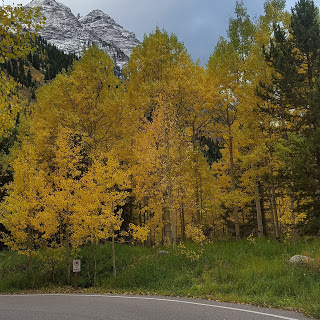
x,y
15,42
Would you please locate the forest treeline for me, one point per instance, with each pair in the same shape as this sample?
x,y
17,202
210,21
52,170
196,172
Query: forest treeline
x,y
46,58
172,151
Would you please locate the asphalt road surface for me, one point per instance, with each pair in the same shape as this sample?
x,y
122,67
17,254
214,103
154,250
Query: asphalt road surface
x,y
116,307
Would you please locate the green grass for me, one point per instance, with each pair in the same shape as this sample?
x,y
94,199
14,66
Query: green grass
x,y
255,272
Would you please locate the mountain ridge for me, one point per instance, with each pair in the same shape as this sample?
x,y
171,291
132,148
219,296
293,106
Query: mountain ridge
x,y
72,34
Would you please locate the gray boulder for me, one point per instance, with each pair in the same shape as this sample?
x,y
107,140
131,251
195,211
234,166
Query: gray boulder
x,y
163,252
301,259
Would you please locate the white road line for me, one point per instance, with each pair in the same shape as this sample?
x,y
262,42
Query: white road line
x,y
160,299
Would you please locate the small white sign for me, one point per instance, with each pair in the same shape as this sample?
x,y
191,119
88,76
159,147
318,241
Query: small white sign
x,y
76,265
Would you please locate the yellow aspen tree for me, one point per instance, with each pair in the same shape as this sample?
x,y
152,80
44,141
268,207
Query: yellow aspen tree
x,y
148,69
223,67
161,69
85,108
248,133
172,181
160,66
88,102
288,218
18,28
23,204
197,194
226,65
188,90
259,133
155,172
95,95
98,210
63,187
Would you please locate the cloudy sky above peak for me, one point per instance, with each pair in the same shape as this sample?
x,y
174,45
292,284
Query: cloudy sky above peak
x,y
197,23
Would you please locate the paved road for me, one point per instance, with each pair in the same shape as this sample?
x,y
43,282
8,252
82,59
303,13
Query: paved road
x,y
115,307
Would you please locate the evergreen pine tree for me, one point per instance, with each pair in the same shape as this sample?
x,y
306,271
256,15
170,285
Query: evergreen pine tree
x,y
21,75
47,74
36,61
15,72
9,68
29,78
295,95
33,94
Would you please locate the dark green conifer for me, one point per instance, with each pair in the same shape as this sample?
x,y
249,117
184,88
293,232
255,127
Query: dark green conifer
x,y
295,56
29,78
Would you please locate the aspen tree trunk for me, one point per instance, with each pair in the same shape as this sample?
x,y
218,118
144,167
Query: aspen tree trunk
x,y
68,249
201,199
68,256
67,245
197,198
275,211
293,215
30,261
163,233
149,239
94,262
170,191
272,218
182,216
113,256
30,267
173,224
198,178
233,178
183,227
258,209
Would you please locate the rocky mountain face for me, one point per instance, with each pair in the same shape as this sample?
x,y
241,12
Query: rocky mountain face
x,y
72,34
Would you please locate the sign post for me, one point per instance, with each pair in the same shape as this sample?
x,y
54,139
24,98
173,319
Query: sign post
x,y
76,270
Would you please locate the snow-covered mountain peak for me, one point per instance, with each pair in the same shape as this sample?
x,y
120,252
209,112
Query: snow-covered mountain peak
x,y
97,16
49,4
72,34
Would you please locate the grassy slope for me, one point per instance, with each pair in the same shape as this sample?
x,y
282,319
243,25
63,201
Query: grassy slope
x,y
247,272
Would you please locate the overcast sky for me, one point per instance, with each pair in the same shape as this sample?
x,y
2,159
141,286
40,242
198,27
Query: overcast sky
x,y
197,23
